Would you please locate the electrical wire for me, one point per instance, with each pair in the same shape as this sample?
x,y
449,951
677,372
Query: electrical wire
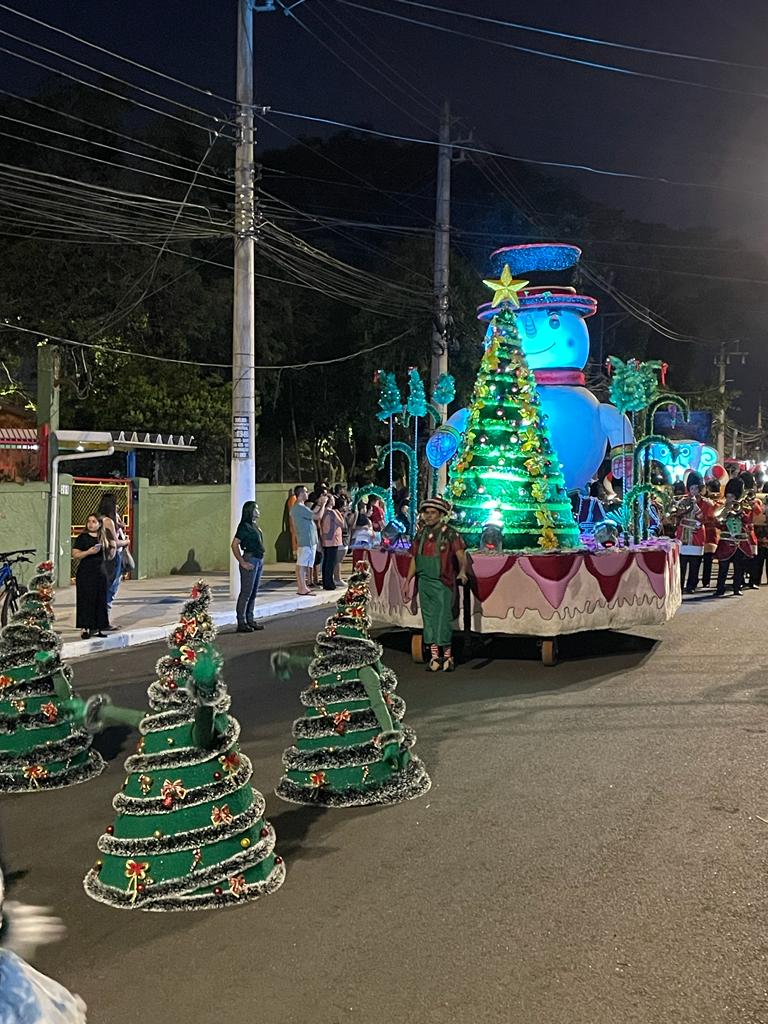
x,y
467,148
114,149
108,92
117,56
202,365
591,40
613,68
101,127
105,74
371,85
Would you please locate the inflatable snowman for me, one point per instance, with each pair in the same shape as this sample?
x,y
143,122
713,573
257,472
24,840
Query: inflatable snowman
x,y
555,342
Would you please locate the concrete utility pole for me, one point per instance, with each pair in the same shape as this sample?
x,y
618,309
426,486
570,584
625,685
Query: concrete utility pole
x,y
441,265
243,469
727,351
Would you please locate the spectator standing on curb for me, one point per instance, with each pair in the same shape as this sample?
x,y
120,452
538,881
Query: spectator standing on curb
x,y
288,522
248,549
90,581
115,540
330,536
304,521
342,504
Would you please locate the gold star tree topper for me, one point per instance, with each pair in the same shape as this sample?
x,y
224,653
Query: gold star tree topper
x,y
505,288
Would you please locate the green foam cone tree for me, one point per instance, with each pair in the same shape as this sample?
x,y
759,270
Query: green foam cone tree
x,y
507,479
351,747
189,833
43,742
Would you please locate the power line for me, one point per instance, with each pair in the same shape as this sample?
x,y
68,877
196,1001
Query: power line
x,y
220,366
468,148
591,40
104,74
108,92
117,56
104,145
351,67
613,68
100,127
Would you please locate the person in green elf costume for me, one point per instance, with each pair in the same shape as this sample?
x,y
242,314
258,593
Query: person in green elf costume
x,y
190,832
351,746
438,562
45,728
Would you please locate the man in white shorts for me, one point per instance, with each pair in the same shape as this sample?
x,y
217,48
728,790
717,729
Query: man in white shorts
x,y
304,520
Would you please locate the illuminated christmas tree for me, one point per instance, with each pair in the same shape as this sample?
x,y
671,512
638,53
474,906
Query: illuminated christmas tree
x,y
508,480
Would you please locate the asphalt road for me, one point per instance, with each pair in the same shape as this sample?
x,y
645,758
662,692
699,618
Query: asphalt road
x,y
591,851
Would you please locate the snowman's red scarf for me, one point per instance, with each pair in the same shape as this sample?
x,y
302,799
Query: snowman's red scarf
x,y
559,377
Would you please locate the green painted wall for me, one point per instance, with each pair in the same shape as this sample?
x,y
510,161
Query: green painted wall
x,y
24,516
178,529
186,530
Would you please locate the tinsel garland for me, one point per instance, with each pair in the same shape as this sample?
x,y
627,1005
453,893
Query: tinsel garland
x,y
189,755
188,840
18,656
175,894
42,687
200,901
323,725
69,777
53,750
27,720
215,790
296,760
339,693
341,654
412,782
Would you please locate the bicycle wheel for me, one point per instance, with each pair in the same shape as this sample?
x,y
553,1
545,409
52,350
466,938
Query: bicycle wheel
x,y
10,604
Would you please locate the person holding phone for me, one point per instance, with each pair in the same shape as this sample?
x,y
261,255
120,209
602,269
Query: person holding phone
x,y
90,581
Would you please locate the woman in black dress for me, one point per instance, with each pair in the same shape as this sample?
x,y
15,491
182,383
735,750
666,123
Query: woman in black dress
x,y
90,581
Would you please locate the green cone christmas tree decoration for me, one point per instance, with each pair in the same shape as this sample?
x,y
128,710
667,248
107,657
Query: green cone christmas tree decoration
x,y
508,479
189,832
43,742
351,746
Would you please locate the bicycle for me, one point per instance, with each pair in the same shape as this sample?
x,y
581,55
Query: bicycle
x,y
13,589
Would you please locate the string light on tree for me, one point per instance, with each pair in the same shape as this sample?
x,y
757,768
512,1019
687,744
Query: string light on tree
x,y
508,475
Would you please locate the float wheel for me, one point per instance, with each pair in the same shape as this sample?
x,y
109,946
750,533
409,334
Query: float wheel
x,y
549,652
417,647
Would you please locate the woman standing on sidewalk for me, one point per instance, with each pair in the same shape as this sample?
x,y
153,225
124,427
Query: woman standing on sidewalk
x,y
248,549
90,581
330,538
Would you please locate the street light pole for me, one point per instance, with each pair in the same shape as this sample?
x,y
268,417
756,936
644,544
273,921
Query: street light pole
x,y
243,469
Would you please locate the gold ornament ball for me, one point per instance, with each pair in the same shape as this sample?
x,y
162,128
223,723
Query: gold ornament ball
x,y
157,833
245,843
170,741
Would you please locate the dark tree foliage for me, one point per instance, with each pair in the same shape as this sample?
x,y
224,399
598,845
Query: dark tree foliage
x,y
320,420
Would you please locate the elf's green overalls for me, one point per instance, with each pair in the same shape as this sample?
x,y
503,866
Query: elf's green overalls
x,y
435,599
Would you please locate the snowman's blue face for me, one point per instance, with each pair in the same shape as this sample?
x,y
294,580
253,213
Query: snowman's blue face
x,y
553,337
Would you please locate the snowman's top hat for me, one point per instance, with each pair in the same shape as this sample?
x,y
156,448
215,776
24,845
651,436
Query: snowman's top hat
x,y
548,267
532,257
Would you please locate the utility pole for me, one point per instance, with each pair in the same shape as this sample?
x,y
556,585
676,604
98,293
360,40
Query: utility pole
x,y
728,350
243,468
441,265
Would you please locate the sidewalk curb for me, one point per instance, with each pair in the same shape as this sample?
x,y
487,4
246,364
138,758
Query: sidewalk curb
x,y
226,617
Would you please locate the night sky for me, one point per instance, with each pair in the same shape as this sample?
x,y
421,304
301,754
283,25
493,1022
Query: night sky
x,y
526,105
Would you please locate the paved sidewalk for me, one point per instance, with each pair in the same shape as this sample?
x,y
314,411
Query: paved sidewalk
x,y
145,610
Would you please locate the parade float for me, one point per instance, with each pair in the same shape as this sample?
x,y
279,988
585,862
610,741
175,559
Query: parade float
x,y
531,434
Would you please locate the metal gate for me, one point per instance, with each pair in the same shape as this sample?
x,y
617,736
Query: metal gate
x,y
86,495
